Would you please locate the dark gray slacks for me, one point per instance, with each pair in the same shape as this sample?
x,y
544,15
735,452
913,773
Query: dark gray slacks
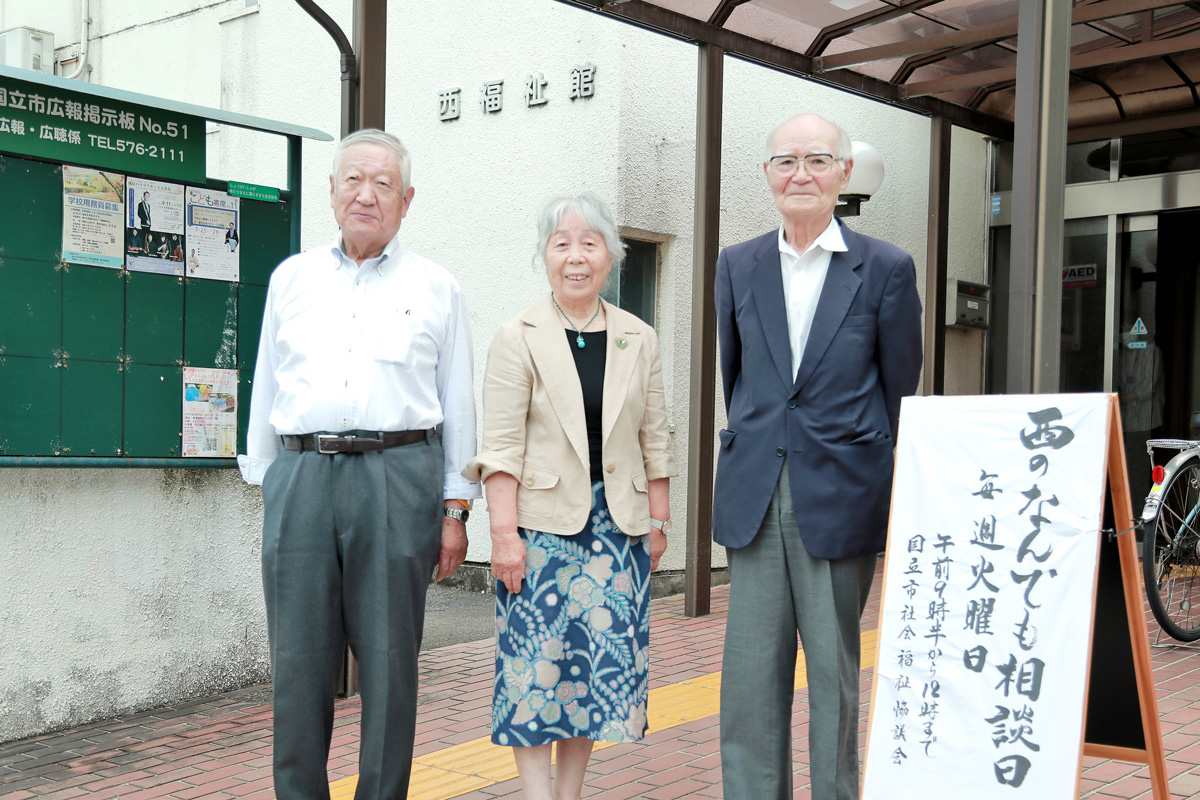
x,y
349,545
777,589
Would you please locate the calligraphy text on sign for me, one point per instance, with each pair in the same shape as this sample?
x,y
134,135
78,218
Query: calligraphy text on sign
x,y
985,620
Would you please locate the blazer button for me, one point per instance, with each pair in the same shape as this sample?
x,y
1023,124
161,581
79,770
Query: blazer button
x,y
611,468
791,403
779,451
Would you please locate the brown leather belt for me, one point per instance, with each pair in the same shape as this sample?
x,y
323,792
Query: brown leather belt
x,y
358,442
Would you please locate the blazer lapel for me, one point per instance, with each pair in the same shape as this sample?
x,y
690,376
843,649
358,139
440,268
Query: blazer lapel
x,y
619,361
766,287
552,357
841,284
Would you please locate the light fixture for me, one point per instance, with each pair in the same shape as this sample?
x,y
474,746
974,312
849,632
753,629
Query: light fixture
x,y
865,179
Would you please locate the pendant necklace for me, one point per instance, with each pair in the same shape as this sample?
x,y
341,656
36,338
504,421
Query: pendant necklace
x,y
578,331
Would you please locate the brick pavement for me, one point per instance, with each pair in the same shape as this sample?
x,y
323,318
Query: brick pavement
x,y
219,747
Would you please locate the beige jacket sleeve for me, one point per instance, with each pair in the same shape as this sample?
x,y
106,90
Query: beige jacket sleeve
x,y
507,389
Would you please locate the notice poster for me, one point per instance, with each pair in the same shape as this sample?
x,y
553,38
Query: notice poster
x,y
154,220
209,413
213,235
92,206
986,617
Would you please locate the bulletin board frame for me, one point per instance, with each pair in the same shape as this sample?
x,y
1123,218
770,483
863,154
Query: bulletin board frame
x,y
92,357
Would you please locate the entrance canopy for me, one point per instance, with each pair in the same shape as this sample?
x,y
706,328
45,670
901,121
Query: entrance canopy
x,y
1134,64
1088,70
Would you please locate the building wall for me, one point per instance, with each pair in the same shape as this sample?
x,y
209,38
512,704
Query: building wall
x,y
146,586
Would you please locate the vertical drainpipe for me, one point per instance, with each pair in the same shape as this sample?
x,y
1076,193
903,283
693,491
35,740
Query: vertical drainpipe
x,y
85,14
349,65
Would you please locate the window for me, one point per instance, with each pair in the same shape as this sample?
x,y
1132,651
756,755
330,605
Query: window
x,y
632,286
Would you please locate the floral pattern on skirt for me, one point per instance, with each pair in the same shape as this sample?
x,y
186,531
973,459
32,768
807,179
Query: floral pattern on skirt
x,y
573,645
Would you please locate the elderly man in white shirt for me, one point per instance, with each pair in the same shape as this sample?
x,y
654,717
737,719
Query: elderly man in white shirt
x,y
362,418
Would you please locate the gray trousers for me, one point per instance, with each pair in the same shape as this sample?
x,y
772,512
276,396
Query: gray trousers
x,y
349,545
777,589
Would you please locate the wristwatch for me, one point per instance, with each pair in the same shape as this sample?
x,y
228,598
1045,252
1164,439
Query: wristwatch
x,y
460,514
663,525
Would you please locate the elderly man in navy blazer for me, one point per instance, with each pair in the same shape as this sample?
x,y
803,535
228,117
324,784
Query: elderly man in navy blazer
x,y
820,337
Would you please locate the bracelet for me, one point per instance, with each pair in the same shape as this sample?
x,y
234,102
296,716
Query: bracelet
x,y
463,503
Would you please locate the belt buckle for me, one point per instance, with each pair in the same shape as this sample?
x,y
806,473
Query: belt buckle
x,y
321,447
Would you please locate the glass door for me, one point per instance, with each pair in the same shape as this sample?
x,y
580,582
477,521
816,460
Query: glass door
x,y
1085,303
1138,371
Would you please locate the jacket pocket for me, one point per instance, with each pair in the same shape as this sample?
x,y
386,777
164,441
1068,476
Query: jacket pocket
x,y
535,494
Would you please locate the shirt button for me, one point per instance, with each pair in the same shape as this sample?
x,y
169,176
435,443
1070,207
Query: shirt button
x,y
529,481
779,451
611,468
791,403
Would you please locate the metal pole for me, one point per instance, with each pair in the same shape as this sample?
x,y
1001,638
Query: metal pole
x,y
370,43
1039,190
703,394
294,179
936,268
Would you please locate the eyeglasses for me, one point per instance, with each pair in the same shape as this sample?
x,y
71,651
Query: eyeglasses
x,y
814,163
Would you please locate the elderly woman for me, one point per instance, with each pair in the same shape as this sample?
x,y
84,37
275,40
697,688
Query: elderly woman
x,y
576,462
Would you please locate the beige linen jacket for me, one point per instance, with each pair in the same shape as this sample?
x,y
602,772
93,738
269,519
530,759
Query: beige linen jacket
x,y
534,429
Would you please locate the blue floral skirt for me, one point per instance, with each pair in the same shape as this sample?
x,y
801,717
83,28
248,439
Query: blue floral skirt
x,y
572,648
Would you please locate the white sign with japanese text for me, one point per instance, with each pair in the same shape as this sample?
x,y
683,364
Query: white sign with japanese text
x,y
154,217
92,204
986,618
209,412
213,235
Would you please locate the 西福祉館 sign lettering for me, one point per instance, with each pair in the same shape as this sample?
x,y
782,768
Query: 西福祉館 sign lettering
x,y
61,125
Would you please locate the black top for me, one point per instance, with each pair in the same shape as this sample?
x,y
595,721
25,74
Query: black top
x,y
589,363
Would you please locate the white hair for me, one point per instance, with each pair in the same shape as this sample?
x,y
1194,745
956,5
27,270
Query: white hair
x,y
381,139
592,210
845,148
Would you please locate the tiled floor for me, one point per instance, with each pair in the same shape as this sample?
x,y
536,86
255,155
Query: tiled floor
x,y
220,747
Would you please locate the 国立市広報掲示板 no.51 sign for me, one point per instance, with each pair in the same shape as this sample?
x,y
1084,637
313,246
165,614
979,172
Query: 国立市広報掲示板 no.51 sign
x,y
61,125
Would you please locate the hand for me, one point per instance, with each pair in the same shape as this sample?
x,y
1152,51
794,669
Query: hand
x,y
658,546
508,560
454,547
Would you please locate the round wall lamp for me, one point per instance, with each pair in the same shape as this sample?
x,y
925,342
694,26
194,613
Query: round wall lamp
x,y
865,179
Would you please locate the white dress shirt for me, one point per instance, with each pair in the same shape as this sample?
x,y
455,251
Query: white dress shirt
x,y
385,346
803,278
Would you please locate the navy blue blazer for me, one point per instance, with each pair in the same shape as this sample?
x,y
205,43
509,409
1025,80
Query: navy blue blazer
x,y
835,419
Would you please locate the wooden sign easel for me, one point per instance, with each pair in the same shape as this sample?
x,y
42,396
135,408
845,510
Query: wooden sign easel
x,y
1121,721
1120,711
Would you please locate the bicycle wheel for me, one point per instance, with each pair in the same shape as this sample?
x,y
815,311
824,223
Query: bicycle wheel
x,y
1171,559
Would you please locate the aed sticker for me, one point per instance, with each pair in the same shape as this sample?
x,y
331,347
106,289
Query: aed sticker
x,y
1082,276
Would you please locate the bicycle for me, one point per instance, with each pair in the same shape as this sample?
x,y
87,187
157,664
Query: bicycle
x,y
1171,540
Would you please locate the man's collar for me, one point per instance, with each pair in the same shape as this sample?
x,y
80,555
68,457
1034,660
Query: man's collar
x,y
830,239
381,261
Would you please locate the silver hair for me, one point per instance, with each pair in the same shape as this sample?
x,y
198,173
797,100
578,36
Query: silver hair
x,y
382,139
595,214
845,148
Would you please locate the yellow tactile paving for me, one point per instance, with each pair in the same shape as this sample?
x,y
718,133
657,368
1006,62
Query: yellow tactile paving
x,y
454,771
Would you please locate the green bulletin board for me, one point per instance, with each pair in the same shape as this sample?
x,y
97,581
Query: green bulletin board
x,y
92,358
